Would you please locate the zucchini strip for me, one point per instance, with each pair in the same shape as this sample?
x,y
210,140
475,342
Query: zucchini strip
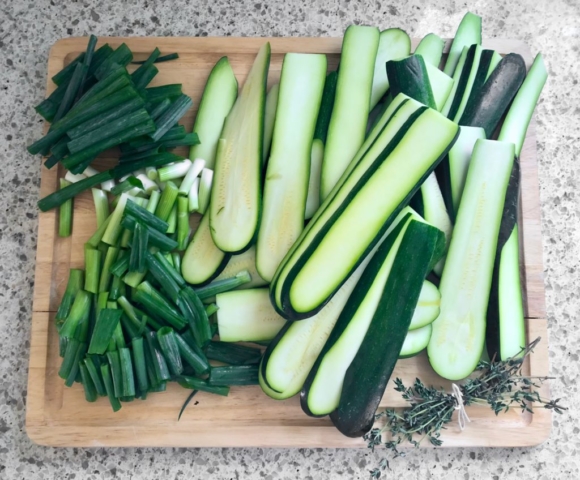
x,y
286,186
416,341
468,33
431,49
269,119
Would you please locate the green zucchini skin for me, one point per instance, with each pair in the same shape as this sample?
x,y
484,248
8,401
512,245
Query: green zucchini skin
x,y
326,106
486,107
464,85
509,221
409,76
368,375
482,71
283,301
348,313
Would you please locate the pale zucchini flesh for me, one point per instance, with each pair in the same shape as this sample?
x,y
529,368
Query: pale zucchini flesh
x,y
247,316
219,95
431,49
236,192
239,263
269,118
416,341
441,85
288,170
313,197
346,131
468,33
394,44
427,309
358,226
459,330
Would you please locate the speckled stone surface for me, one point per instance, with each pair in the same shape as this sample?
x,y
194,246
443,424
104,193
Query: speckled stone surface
x,y
27,31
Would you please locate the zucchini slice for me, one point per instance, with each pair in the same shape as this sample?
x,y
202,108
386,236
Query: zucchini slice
x,y
459,331
416,341
431,49
346,131
428,307
286,187
235,205
317,153
219,95
463,83
495,59
452,171
291,355
269,118
320,394
239,263
441,85
247,316
487,106
368,375
394,44
354,218
409,76
202,260
468,33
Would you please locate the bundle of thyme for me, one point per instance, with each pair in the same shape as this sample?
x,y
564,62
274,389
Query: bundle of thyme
x,y
500,385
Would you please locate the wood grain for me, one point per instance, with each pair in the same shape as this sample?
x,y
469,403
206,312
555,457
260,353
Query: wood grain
x,y
60,416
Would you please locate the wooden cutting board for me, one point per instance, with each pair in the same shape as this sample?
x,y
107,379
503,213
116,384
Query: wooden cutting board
x,y
60,416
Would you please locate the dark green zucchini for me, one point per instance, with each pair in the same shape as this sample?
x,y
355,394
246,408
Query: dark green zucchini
x,y
482,71
409,76
357,212
368,375
486,107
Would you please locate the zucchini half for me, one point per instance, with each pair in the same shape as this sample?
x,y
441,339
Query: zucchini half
x,y
416,341
288,170
357,213
368,375
320,394
236,191
459,331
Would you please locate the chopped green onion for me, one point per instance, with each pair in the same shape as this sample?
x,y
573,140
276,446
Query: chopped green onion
x,y
117,288
133,279
172,220
202,385
234,375
188,140
163,277
193,197
71,91
168,198
121,56
108,381
157,94
170,270
233,354
155,303
221,286
88,386
74,285
156,238
153,201
127,372
74,178
145,217
115,364
211,309
176,262
65,214
170,350
101,205
183,229
160,365
95,374
139,362
192,355
192,174
78,313
145,79
176,170
113,231
121,265
93,269
156,160
110,259
139,249
106,324
205,183
151,173
194,311
171,116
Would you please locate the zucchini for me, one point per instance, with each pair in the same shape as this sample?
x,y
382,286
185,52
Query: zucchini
x,y
495,59
441,85
459,330
317,152
487,106
320,394
468,33
402,155
239,263
289,358
463,83
286,186
394,44
202,260
428,306
416,341
346,131
452,171
247,316
431,49
367,376
219,95
234,210
482,71
506,333
409,76
269,118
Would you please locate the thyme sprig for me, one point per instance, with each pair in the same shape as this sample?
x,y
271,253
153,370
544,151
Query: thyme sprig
x,y
499,385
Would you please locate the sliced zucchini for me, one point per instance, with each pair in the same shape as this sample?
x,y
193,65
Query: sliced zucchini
x,y
353,219
428,307
269,118
317,153
286,187
235,205
463,83
394,44
291,355
247,316
239,263
219,95
409,76
452,171
431,49
202,260
320,394
416,341
459,331
481,76
487,106
468,33
495,59
441,84
368,375
346,131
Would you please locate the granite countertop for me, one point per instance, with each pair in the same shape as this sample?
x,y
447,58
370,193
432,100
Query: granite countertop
x,y
27,31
